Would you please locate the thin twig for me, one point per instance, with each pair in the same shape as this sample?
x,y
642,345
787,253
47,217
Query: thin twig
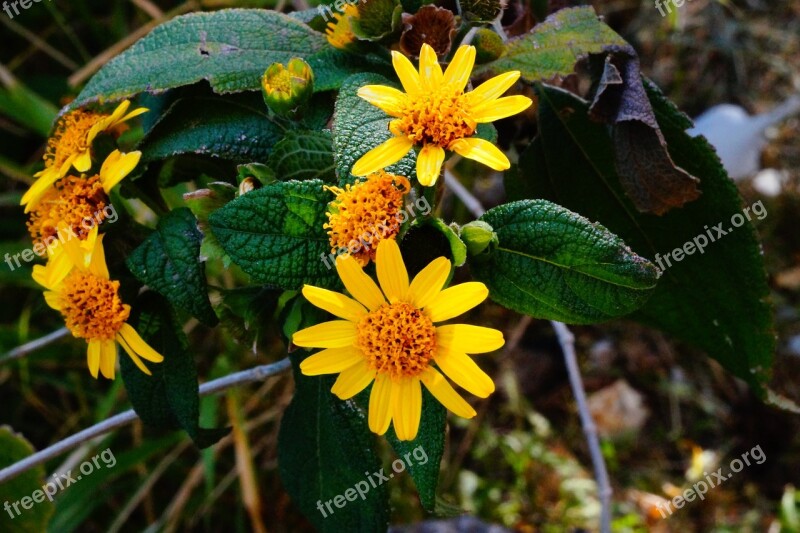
x,y
32,346
40,43
258,373
567,341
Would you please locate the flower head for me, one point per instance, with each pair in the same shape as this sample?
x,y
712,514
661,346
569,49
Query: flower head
x,y
74,200
79,287
388,336
436,114
363,214
340,32
71,146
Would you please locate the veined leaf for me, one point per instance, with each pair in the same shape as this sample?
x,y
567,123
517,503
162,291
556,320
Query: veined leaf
x,y
304,155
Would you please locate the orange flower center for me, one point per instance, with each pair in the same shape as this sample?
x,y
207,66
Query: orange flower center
x,y
91,306
363,214
439,117
397,339
70,137
79,202
340,32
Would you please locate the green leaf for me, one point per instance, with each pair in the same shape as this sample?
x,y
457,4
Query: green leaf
x,y
304,155
554,46
169,398
229,48
359,126
234,128
554,264
325,455
168,261
275,234
427,447
20,491
715,300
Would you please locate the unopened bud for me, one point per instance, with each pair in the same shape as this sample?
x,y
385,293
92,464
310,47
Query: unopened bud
x,y
478,235
286,88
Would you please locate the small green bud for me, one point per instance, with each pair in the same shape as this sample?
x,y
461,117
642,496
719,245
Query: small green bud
x,y
287,88
489,46
478,236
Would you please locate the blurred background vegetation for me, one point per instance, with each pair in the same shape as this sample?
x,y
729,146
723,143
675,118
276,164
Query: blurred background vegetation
x,y
664,408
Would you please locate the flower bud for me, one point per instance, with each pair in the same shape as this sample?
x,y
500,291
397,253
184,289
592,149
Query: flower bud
x,y
478,236
287,88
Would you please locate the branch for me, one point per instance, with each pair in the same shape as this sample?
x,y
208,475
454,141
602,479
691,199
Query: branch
x,y
258,373
567,341
32,346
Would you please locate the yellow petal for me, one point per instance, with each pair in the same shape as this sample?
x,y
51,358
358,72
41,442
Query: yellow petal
x,y
352,381
445,393
138,345
407,73
456,300
93,356
388,99
429,282
135,113
429,164
492,89
53,300
465,372
501,108
83,162
460,68
380,404
468,338
407,408
132,354
97,265
392,273
333,334
32,196
383,155
430,73
358,284
116,167
337,304
108,358
331,361
50,275
481,151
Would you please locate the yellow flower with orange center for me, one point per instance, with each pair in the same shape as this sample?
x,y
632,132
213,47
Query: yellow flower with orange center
x,y
436,114
340,32
74,200
79,287
389,336
366,212
71,146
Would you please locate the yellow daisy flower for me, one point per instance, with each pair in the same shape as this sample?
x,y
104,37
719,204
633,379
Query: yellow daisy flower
x,y
73,199
387,335
366,212
71,146
340,32
79,287
436,114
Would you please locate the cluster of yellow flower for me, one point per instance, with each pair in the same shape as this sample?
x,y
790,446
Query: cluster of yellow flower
x,y
386,335
76,276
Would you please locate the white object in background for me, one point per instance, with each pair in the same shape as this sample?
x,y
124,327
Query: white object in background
x,y
738,137
770,181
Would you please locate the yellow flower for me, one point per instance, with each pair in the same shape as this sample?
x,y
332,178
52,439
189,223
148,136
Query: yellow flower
x,y
340,32
79,287
436,114
71,146
76,200
366,212
387,335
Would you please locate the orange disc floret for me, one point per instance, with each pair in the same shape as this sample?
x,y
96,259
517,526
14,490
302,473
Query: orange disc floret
x,y
78,202
91,306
